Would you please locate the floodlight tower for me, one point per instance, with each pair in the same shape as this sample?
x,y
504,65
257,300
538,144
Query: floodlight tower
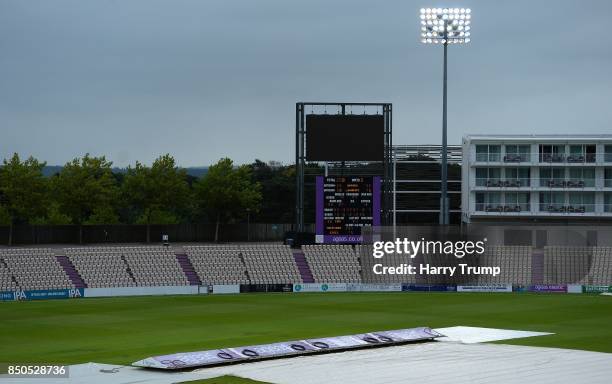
x,y
445,26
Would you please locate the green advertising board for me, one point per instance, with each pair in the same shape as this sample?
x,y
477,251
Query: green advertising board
x,y
596,288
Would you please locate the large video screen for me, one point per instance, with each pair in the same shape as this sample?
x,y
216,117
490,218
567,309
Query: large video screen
x,y
344,205
345,137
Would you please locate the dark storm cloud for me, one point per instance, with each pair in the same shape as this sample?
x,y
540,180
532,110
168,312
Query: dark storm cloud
x,y
205,79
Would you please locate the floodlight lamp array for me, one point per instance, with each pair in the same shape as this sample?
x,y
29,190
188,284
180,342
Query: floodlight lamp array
x,y
445,25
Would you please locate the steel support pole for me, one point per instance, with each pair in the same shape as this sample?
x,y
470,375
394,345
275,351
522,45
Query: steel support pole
x,y
394,197
299,171
444,165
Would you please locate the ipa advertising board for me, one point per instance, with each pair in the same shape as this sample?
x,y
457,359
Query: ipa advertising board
x,y
344,205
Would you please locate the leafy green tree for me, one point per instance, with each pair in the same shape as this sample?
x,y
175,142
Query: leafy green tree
x,y
158,194
278,191
86,191
53,216
227,192
106,214
5,217
23,191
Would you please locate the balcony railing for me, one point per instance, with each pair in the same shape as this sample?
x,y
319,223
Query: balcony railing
x,y
581,158
552,157
488,157
608,183
566,208
548,158
567,183
502,183
502,208
517,157
543,207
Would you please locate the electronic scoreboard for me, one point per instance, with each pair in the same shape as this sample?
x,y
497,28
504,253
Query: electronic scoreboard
x,y
344,205
345,137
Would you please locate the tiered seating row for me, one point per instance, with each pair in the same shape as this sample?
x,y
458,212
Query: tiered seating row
x,y
31,269
244,264
600,272
218,264
579,265
364,253
270,264
127,266
38,268
155,267
6,279
333,263
514,261
101,267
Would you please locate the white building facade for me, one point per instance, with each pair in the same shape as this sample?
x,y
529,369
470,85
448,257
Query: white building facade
x,y
536,177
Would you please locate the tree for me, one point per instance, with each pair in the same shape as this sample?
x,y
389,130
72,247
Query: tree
x,y
158,194
226,193
278,191
5,217
86,191
53,216
23,191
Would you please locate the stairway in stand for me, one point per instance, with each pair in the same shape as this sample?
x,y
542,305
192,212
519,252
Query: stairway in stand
x,y
303,267
71,271
187,267
537,266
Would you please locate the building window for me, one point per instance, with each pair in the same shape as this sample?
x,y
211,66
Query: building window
x,y
582,153
517,153
550,153
516,202
608,153
489,202
581,177
482,175
581,202
488,153
518,177
552,177
480,201
488,177
608,178
608,202
552,202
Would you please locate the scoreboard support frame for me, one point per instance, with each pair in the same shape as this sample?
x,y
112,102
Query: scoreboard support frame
x,y
300,157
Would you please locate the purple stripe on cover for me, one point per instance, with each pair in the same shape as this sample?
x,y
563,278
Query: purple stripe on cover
x,y
272,350
285,349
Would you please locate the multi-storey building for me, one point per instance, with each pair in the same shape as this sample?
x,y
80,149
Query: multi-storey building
x,y
416,184
537,177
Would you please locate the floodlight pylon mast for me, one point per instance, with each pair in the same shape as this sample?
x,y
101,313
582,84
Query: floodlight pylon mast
x,y
446,26
444,211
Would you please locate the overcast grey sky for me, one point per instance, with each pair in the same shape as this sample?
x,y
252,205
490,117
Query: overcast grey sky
x,y
204,79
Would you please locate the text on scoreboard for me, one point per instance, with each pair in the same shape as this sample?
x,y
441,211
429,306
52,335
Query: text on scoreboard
x,y
345,204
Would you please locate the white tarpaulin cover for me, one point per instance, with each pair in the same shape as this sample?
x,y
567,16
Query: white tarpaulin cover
x,y
454,360
470,335
434,363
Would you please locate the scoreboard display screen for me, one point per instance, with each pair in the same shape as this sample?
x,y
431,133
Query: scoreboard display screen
x,y
345,137
344,205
